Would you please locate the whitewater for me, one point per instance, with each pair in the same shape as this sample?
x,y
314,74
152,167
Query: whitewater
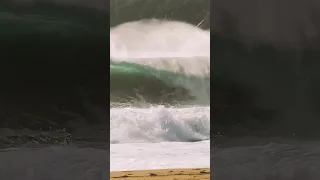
x,y
154,136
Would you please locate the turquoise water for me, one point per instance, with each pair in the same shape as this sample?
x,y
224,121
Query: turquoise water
x,y
157,86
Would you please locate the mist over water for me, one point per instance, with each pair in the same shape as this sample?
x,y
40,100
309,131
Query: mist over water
x,y
156,38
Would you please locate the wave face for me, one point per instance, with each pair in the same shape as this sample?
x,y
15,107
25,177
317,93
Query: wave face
x,y
159,124
159,62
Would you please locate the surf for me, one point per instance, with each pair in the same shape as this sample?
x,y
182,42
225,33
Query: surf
x,y
160,61
159,124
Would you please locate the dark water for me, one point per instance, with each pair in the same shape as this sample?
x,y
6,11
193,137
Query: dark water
x,y
265,67
265,84
53,74
53,59
288,161
271,21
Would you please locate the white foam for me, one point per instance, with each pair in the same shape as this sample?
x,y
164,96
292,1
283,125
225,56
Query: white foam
x,y
158,39
172,46
165,45
164,155
159,124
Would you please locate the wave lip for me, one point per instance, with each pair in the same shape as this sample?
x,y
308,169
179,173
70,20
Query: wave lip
x,y
153,38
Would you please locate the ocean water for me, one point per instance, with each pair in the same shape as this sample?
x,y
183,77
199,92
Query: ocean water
x,y
141,122
166,121
28,28
162,155
156,134
159,138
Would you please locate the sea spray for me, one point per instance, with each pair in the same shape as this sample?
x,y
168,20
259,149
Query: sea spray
x,y
166,57
152,38
158,124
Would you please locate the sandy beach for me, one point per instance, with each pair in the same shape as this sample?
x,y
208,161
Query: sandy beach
x,y
165,174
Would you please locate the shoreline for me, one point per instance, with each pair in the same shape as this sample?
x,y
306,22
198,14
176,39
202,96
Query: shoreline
x,y
177,174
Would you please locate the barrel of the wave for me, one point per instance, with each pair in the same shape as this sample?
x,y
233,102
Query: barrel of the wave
x,y
173,52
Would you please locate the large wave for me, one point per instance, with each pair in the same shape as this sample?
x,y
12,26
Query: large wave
x,y
160,61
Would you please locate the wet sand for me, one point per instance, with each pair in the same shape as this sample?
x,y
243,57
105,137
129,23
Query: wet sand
x,y
165,174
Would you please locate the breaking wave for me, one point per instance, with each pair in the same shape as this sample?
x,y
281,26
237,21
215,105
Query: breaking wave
x,y
159,124
160,62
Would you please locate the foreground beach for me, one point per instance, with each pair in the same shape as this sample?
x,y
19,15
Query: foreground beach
x,y
165,174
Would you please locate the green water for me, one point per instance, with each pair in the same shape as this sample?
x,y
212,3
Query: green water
x,y
169,78
146,83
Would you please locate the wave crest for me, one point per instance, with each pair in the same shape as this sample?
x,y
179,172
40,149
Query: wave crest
x,y
168,56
